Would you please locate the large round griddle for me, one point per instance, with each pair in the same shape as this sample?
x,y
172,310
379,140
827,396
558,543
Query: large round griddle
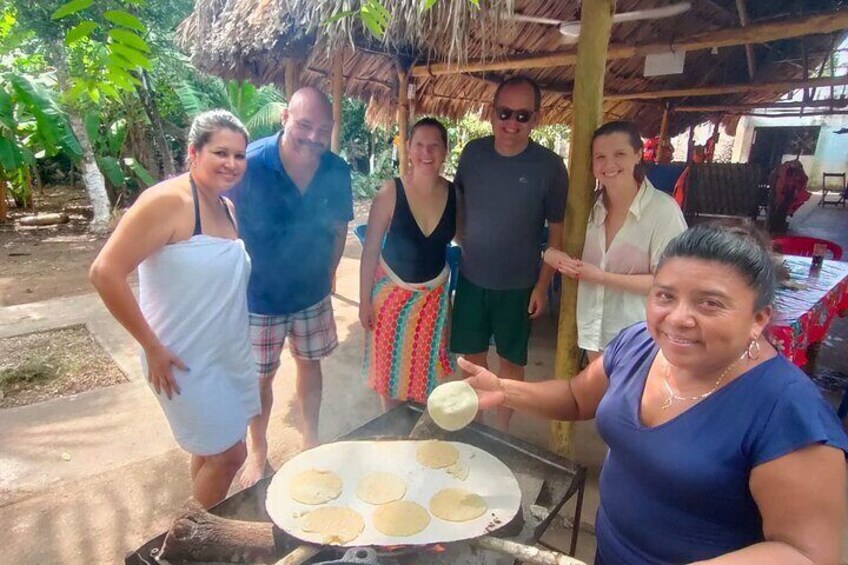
x,y
487,477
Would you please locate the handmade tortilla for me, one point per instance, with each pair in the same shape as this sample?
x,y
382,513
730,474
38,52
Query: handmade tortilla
x,y
337,524
315,486
452,405
457,505
458,470
436,454
380,488
400,519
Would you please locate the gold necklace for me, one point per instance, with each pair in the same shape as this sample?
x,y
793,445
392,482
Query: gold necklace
x,y
673,396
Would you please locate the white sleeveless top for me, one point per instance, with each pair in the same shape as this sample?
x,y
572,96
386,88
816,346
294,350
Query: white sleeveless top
x,y
193,294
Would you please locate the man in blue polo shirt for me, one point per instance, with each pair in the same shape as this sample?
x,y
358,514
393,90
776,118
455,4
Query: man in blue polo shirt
x,y
293,206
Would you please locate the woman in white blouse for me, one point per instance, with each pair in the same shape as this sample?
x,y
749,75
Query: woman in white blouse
x,y
629,226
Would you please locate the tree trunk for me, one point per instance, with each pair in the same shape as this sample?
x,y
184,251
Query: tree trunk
x,y
92,178
160,142
3,211
28,199
95,184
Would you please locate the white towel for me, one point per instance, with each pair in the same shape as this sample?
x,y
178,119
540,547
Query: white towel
x,y
194,296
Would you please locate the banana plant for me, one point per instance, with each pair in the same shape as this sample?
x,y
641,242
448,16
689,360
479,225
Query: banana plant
x,y
32,126
258,108
108,143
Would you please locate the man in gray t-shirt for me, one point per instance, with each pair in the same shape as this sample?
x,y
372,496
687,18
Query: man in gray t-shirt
x,y
509,186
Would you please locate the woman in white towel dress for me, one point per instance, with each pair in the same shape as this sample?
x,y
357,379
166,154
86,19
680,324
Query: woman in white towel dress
x,y
191,317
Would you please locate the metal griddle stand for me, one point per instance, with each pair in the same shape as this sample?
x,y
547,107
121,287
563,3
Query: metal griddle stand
x,y
556,480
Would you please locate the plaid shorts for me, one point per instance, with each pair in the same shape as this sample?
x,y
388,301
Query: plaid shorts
x,y
312,331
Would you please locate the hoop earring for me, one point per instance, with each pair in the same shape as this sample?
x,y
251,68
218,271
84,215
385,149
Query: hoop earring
x,y
753,351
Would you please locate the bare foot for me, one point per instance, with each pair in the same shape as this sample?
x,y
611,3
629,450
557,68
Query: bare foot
x,y
253,470
310,441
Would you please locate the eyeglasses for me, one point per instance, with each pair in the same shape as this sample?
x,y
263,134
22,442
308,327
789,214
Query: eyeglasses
x,y
521,116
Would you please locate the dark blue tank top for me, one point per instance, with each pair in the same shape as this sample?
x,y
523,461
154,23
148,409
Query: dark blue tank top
x,y
414,257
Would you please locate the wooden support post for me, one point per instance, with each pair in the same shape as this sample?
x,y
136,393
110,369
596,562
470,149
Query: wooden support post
x,y
338,94
714,138
661,149
749,49
587,103
402,115
292,77
806,63
690,144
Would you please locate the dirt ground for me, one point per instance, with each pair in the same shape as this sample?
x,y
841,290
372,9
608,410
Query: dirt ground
x,y
38,366
50,262
46,262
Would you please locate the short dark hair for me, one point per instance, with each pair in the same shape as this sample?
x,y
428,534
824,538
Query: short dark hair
x,y
736,243
634,136
433,123
517,81
207,123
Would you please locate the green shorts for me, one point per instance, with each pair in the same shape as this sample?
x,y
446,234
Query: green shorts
x,y
479,314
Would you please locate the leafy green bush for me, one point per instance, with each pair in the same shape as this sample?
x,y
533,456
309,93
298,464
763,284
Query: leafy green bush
x,y
365,187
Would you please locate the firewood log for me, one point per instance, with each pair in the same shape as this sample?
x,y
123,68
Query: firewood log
x,y
198,535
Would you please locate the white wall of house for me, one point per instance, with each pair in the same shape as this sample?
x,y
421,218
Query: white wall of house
x,y
831,150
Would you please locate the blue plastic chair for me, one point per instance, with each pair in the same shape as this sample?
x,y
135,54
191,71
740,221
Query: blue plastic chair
x,y
359,232
452,255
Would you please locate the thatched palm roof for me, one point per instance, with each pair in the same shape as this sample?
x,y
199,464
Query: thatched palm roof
x,y
251,39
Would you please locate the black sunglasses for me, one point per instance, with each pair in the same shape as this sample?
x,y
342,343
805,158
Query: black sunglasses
x,y
521,116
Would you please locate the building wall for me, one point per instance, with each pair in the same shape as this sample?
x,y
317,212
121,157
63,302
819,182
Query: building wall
x,y
831,150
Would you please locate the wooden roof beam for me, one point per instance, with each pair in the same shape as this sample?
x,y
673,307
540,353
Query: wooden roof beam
x,y
660,94
790,115
729,89
840,103
753,34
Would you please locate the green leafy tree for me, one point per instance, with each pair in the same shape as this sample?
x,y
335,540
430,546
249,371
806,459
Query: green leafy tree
x,y
461,132
97,50
32,127
356,138
258,108
121,172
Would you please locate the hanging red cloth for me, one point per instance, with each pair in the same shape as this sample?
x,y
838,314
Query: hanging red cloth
x,y
649,150
790,187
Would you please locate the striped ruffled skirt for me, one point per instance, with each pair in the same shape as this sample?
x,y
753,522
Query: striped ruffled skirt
x,y
406,354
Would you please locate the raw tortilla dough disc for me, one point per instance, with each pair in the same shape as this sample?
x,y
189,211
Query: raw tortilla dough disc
x,y
436,454
337,524
380,488
400,519
452,405
458,470
315,486
457,505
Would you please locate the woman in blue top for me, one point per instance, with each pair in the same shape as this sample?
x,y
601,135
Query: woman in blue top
x,y
720,450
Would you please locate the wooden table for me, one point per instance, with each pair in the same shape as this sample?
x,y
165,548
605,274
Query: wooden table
x,y
803,315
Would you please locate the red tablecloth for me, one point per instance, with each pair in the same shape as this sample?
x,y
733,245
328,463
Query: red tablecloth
x,y
802,316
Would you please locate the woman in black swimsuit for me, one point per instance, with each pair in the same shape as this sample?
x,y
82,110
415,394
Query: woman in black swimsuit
x,y
404,296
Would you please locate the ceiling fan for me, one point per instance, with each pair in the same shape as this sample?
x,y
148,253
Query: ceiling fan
x,y
571,30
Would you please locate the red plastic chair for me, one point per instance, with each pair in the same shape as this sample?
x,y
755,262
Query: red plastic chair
x,y
803,246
